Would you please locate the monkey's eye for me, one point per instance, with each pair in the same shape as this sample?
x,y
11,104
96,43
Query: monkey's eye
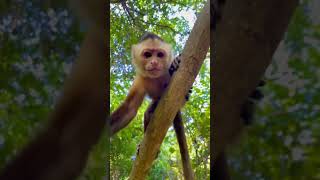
x,y
147,54
160,54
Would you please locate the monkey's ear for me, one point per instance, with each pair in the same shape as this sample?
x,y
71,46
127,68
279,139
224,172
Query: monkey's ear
x,y
170,51
170,48
133,50
133,47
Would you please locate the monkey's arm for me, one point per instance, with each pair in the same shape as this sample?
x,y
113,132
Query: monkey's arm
x,y
128,109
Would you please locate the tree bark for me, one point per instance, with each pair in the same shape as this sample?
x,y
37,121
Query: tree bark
x,y
75,125
192,58
245,40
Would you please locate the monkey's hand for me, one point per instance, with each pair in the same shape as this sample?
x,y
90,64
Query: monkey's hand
x,y
188,95
137,153
248,107
174,67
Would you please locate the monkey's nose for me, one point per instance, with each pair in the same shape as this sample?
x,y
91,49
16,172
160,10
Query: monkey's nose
x,y
154,62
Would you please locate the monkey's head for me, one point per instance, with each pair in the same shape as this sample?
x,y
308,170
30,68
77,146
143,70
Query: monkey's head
x,y
152,56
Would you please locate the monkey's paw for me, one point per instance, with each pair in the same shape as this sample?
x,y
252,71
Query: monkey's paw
x,y
188,94
175,65
139,149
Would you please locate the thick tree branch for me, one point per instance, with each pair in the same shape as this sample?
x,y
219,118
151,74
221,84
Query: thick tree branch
x,y
126,9
192,58
75,125
245,40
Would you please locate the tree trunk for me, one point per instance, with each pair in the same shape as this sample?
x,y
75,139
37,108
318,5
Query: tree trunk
x,y
76,123
245,39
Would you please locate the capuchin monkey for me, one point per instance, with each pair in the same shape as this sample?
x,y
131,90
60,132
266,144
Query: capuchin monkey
x,y
154,65
152,58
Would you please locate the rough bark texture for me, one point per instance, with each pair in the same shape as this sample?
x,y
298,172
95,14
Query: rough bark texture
x,y
76,123
245,40
192,58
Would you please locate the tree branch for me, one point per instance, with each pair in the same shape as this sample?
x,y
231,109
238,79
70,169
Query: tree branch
x,y
127,9
245,40
75,125
192,58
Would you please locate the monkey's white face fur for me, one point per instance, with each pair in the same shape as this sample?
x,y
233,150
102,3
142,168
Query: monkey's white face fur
x,y
152,58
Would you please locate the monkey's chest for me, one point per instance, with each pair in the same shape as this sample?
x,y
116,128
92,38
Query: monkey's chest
x,y
156,89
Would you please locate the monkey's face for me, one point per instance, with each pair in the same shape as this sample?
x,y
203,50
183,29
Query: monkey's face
x,y
154,61
152,58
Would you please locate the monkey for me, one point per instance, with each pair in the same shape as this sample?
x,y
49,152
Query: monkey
x,y
153,60
154,65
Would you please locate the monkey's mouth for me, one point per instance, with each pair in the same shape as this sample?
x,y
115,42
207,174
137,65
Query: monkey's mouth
x,y
154,70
